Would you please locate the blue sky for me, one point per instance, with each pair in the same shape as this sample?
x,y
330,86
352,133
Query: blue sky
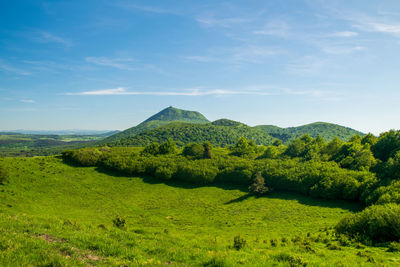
x,y
111,64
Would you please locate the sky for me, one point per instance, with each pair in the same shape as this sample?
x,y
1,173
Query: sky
x,y
101,65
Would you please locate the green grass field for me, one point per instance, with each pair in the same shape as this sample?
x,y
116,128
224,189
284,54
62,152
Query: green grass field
x,y
54,214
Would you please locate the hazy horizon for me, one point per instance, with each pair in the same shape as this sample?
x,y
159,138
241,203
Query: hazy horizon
x,y
98,65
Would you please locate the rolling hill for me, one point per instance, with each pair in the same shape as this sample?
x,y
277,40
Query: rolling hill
x,y
163,117
219,133
326,130
190,126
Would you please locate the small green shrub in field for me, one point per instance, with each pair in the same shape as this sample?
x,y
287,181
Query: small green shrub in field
x,y
274,242
215,262
394,247
239,242
292,260
119,222
258,187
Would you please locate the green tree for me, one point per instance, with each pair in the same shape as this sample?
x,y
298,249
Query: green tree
x,y
193,150
168,147
258,187
207,150
151,149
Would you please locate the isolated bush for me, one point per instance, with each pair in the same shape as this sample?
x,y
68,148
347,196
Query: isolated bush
x,y
377,223
258,187
239,242
119,222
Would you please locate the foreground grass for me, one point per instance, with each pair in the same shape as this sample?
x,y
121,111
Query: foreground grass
x,y
53,214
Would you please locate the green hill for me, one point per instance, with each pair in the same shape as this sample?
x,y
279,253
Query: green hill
x,y
218,133
326,130
163,117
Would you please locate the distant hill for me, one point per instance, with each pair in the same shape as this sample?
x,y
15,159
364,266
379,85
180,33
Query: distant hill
x,y
163,117
326,130
219,133
103,133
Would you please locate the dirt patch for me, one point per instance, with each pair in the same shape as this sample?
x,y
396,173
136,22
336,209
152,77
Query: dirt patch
x,y
50,239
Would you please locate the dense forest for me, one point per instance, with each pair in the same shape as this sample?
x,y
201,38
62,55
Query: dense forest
x,y
364,169
328,131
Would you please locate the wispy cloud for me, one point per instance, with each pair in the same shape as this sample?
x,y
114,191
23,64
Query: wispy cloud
x,y
306,66
188,92
118,63
46,37
340,50
386,28
236,55
212,21
200,58
146,8
344,34
279,28
29,101
10,69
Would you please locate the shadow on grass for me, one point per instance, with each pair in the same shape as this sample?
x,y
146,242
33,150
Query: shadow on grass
x,y
302,199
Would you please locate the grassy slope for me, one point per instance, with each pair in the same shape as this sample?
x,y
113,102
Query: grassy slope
x,y
50,213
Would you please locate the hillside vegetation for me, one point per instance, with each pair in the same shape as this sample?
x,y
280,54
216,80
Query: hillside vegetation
x,y
54,214
163,117
326,130
184,133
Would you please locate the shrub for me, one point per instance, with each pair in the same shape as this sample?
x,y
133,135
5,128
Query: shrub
x,y
207,150
119,222
168,147
151,149
197,172
193,150
84,156
166,172
239,242
215,262
377,223
258,187
292,260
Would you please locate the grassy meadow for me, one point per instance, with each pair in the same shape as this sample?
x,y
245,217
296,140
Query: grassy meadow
x,y
55,214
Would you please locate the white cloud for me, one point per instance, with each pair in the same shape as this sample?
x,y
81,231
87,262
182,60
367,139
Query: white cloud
x,y
339,50
211,21
344,34
30,101
200,58
118,63
150,9
7,68
46,37
277,28
307,65
188,92
393,29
